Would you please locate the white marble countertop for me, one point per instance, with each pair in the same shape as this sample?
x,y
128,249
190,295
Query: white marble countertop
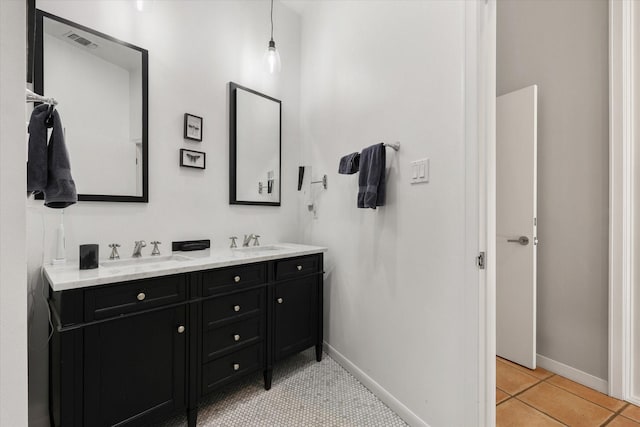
x,y
68,276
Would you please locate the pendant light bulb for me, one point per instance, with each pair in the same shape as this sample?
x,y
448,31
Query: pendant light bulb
x,y
140,5
272,58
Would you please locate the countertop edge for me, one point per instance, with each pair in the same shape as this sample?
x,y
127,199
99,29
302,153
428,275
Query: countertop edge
x,y
58,284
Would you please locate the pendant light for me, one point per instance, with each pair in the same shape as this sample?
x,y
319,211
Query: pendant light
x,y
271,56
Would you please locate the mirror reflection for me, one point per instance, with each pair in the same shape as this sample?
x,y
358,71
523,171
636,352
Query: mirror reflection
x,y
100,84
255,147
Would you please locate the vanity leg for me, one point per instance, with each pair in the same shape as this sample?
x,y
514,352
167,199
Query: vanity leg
x,y
192,416
267,379
319,352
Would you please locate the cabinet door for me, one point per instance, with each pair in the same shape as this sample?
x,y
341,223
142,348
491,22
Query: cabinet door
x,y
135,368
295,315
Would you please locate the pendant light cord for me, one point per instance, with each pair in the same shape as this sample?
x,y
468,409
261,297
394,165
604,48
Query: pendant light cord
x,y
272,20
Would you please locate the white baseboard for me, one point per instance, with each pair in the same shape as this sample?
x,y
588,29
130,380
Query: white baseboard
x,y
387,398
634,399
573,374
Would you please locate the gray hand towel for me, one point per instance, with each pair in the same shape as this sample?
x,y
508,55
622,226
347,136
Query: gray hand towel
x,y
60,191
37,162
349,164
371,181
48,167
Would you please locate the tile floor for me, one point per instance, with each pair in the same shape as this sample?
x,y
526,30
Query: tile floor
x,y
304,393
541,398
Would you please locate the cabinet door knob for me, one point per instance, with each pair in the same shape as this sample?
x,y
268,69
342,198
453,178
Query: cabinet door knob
x,y
236,279
236,366
299,267
236,308
180,329
141,296
280,300
236,337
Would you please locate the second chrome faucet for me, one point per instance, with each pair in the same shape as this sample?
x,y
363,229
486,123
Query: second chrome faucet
x,y
247,239
137,248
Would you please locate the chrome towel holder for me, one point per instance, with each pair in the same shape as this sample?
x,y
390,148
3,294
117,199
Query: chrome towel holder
x,y
323,181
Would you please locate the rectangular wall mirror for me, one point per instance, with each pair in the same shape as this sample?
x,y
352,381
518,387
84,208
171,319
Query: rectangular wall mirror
x,y
101,87
254,147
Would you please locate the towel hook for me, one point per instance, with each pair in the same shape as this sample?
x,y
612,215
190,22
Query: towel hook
x,y
394,145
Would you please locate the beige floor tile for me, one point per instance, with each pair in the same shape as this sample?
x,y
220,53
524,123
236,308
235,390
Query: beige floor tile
x,y
587,393
621,421
539,372
514,413
633,412
512,380
501,396
565,406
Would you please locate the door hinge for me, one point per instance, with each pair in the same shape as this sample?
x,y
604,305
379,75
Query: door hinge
x,y
481,261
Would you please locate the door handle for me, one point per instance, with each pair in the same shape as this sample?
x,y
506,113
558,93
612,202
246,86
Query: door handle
x,y
523,240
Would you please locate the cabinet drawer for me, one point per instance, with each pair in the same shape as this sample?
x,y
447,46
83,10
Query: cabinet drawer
x,y
224,339
290,268
113,300
242,275
238,305
225,369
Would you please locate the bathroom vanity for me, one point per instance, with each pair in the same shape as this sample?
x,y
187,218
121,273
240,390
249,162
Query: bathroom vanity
x,y
136,342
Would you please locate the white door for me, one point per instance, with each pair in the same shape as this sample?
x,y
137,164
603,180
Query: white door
x,y
516,211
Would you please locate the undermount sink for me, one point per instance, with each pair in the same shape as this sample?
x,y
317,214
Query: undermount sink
x,y
266,248
144,260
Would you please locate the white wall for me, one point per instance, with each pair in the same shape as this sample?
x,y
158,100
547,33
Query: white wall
x,y
195,49
13,277
562,46
395,289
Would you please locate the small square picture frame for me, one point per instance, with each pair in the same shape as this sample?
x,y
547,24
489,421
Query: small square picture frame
x,y
193,159
193,127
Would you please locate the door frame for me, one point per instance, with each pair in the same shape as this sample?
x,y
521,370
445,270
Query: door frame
x,y
621,198
480,130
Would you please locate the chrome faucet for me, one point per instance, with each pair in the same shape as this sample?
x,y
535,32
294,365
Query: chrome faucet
x,y
114,251
155,250
247,240
137,248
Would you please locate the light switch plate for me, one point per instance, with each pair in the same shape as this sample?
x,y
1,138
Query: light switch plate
x,y
419,171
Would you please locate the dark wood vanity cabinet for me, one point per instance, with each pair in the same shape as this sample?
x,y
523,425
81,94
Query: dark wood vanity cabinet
x,y
135,368
134,353
295,315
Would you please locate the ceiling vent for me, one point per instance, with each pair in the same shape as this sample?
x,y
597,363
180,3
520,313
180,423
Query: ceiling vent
x,y
81,40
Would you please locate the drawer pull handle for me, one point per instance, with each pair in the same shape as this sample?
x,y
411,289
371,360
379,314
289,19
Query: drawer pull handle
x,y
236,308
280,300
180,329
141,296
236,366
236,337
299,268
236,279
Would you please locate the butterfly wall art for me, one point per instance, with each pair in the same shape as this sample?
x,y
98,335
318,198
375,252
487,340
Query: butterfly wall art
x,y
192,127
192,159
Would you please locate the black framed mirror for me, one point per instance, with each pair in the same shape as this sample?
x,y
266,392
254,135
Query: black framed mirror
x,y
101,85
255,147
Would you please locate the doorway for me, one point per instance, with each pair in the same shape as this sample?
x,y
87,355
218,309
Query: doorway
x,y
563,48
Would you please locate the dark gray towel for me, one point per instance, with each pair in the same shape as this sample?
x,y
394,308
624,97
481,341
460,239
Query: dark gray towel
x,y
58,187
371,181
37,162
349,164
